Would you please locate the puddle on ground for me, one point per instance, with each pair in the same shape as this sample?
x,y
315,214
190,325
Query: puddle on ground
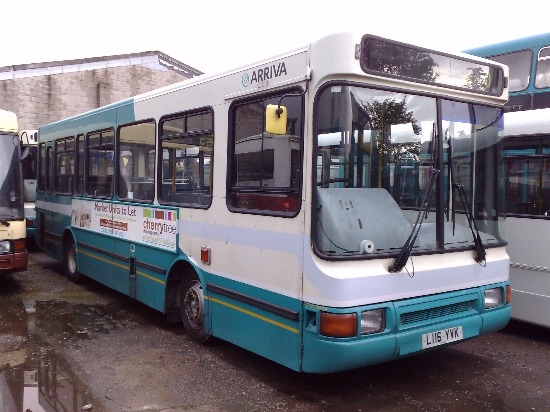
x,y
33,376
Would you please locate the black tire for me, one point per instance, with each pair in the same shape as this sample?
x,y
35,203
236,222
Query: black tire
x,y
69,262
192,310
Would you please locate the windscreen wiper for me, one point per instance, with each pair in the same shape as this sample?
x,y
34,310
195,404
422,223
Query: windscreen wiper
x,y
406,250
451,209
480,249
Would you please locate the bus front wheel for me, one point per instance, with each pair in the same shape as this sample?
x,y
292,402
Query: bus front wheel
x,y
71,267
192,310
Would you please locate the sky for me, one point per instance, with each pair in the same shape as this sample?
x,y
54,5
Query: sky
x,y
214,35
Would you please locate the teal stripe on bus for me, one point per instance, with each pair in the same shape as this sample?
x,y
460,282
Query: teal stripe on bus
x,y
111,262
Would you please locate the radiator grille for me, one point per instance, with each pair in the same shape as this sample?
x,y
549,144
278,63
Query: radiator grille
x,y
435,313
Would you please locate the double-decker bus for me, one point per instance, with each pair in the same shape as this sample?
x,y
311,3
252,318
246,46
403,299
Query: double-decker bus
x,y
29,144
527,168
13,246
333,207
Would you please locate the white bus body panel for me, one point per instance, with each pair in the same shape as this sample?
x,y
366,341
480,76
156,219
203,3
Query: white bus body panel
x,y
529,258
529,269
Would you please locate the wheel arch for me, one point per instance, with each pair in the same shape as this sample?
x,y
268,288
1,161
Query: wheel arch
x,y
68,242
68,235
181,270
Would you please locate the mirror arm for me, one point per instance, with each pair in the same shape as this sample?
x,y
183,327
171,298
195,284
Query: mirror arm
x,y
279,111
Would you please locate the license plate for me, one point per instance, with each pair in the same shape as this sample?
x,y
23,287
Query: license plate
x,y
441,337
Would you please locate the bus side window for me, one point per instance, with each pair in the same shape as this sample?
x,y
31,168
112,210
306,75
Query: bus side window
x,y
135,170
527,163
48,169
542,76
519,63
265,168
100,156
79,169
41,184
186,157
64,166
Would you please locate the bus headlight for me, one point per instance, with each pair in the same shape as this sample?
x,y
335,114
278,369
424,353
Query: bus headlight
x,y
5,246
493,298
373,321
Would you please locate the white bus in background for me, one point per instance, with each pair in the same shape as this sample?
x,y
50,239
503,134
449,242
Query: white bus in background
x,y
527,172
29,144
527,224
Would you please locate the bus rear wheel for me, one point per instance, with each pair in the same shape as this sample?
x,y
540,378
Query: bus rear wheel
x,y
69,261
192,310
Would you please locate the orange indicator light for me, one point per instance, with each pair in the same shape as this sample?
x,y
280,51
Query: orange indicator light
x,y
338,325
205,255
19,245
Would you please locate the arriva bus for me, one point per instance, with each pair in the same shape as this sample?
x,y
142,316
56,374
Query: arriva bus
x,y
29,143
333,207
13,246
527,167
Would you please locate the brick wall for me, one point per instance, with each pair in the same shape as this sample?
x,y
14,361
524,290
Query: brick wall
x,y
45,98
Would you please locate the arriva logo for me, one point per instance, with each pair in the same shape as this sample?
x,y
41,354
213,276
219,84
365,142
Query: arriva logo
x,y
264,74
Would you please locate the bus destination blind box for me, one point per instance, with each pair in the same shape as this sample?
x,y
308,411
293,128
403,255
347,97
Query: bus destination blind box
x,y
387,58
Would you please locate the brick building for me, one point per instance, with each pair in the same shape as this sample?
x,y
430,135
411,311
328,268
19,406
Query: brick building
x,y
41,93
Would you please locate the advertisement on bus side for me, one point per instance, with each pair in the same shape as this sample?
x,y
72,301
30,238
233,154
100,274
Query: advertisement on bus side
x,y
151,226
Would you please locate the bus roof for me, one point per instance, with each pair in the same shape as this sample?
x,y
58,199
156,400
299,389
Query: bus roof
x,y
278,71
526,123
8,121
511,45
